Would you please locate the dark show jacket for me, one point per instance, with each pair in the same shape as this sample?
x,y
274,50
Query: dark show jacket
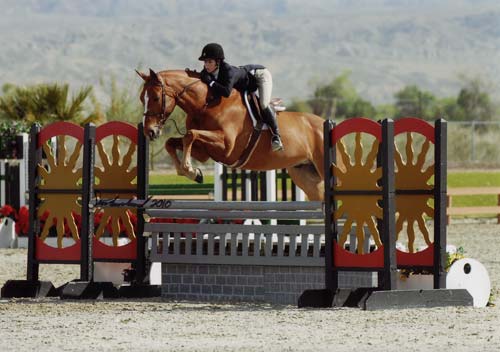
x,y
229,77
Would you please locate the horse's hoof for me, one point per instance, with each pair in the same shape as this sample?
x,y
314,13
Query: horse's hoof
x,y
199,176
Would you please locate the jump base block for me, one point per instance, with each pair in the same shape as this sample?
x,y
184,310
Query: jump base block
x,y
321,298
373,299
417,299
30,289
139,291
88,290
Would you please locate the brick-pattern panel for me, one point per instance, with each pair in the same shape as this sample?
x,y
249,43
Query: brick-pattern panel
x,y
284,284
202,282
243,283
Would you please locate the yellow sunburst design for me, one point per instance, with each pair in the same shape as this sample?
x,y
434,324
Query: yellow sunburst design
x,y
410,175
116,175
358,176
61,174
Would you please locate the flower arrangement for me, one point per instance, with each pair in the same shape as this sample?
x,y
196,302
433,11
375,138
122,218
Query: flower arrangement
x,y
21,218
452,257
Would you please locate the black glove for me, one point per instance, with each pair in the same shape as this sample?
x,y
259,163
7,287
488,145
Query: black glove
x,y
206,77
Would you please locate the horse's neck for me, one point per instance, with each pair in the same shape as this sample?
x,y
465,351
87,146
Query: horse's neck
x,y
194,98
190,99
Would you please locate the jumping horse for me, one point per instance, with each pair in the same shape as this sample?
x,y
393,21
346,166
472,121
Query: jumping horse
x,y
223,130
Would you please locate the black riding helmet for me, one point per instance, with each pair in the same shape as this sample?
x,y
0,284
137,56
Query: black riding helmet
x,y
212,51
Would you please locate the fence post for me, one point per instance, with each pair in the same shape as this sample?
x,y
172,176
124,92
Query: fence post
x,y
218,181
87,234
2,182
22,142
498,203
35,158
331,275
271,190
388,200
473,142
142,192
440,191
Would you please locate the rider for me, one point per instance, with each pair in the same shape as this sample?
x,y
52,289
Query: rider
x,y
221,77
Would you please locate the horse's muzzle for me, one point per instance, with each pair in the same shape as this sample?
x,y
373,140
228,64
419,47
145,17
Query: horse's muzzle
x,y
152,134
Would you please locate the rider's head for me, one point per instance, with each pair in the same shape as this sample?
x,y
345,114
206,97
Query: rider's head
x,y
212,55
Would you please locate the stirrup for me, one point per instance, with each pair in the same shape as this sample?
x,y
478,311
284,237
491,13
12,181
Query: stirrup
x,y
276,144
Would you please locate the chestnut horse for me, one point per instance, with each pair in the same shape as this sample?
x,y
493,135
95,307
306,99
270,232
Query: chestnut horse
x,y
222,131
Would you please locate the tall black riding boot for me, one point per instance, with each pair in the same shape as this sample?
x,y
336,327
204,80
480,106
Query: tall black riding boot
x,y
270,118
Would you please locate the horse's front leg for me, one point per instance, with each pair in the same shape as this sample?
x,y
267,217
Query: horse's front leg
x,y
215,139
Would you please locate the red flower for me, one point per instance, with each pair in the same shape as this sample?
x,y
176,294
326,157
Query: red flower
x,y
7,210
22,221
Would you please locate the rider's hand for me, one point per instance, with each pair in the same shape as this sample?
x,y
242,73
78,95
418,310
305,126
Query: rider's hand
x,y
206,77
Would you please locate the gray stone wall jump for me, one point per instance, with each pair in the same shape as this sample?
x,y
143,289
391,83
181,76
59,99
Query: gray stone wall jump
x,y
249,283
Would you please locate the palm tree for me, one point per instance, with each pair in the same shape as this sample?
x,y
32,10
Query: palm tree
x,y
44,103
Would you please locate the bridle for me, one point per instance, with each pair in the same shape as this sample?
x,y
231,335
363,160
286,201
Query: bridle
x,y
173,94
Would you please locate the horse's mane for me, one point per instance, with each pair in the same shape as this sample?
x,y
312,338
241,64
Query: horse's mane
x,y
192,75
185,73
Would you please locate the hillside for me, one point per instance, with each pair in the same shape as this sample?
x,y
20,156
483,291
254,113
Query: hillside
x,y
385,43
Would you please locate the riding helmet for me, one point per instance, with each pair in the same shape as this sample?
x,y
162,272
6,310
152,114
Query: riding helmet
x,y
212,51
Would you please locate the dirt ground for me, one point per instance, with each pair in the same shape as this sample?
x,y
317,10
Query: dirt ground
x,y
163,325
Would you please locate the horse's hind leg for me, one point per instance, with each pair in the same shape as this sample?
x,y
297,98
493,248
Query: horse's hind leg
x,y
307,178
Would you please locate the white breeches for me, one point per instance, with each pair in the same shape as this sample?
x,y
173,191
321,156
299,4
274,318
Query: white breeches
x,y
265,86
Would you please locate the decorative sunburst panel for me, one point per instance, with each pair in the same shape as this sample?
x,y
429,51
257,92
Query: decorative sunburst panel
x,y
115,170
60,172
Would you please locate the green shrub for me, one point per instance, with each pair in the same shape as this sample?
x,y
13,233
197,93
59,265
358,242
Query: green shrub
x,y
8,132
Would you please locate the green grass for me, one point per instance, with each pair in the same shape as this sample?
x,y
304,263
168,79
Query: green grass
x,y
474,179
169,179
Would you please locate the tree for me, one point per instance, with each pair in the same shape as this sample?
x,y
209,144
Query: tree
x,y
449,109
411,101
475,100
44,103
359,108
339,100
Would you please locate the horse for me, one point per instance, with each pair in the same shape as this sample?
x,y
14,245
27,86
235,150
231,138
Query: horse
x,y
222,131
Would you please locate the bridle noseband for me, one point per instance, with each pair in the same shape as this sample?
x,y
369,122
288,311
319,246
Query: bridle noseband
x,y
174,95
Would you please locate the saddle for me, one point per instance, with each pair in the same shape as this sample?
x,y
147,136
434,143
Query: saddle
x,y
252,103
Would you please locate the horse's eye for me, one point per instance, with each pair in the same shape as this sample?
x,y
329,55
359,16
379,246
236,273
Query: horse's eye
x,y
156,99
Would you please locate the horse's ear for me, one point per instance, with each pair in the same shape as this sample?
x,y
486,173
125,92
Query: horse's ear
x,y
142,75
153,75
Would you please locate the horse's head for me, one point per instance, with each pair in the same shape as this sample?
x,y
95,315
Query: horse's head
x,y
159,101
